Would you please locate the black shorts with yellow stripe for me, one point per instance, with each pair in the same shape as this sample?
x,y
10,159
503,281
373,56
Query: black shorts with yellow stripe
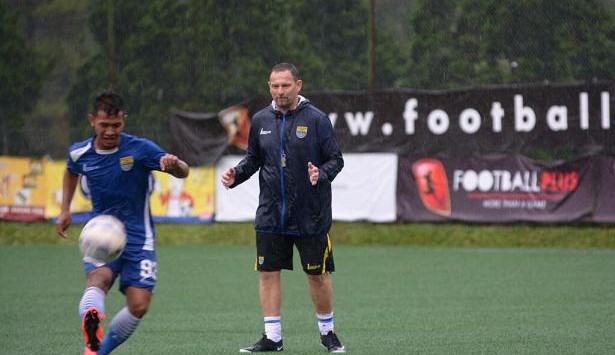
x,y
274,252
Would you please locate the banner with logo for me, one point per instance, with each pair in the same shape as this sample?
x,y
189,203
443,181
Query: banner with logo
x,y
189,200
23,189
31,190
494,189
547,120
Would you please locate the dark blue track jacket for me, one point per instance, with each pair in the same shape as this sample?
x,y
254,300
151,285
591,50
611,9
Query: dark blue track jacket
x,y
281,145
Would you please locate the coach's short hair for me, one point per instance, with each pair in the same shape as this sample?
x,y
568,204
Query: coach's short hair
x,y
287,66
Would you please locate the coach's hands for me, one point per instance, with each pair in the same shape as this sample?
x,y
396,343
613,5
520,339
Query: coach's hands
x,y
313,173
228,177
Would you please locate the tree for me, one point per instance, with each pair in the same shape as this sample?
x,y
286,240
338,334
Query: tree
x,y
204,55
471,42
21,75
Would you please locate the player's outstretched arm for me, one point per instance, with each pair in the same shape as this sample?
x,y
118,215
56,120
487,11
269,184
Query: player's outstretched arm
x,y
69,184
173,165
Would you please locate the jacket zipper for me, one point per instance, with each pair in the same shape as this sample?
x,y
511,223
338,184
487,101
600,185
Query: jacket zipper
x,y
282,166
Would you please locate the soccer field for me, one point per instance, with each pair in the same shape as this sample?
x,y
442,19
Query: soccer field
x,y
388,300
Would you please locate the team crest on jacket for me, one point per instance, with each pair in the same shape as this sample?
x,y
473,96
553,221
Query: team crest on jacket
x,y
126,163
301,131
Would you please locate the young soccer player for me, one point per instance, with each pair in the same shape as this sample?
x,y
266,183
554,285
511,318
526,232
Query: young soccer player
x,y
117,167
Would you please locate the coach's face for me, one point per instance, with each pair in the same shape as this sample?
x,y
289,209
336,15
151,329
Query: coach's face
x,y
284,89
107,129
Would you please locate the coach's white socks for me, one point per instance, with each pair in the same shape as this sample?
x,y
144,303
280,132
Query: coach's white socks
x,y
325,323
273,328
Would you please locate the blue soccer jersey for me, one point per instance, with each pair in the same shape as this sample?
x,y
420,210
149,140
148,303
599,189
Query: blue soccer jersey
x,y
118,181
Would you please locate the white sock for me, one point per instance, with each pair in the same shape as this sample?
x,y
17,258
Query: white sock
x,y
325,323
124,323
121,328
92,297
273,328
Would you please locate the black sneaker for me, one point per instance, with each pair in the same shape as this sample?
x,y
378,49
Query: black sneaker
x,y
263,345
332,343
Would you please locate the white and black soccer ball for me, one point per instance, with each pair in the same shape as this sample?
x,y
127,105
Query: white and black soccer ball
x,y
102,239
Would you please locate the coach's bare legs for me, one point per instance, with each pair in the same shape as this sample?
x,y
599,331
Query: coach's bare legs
x,y
321,291
270,292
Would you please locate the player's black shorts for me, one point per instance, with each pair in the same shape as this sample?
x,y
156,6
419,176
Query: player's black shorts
x,y
274,252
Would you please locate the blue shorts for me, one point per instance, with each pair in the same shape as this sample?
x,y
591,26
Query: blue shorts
x,y
135,268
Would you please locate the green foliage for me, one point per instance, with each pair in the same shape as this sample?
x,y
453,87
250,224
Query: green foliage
x,y
201,56
21,75
470,42
329,43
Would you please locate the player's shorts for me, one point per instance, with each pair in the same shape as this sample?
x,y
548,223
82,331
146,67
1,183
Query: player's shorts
x,y
274,252
134,268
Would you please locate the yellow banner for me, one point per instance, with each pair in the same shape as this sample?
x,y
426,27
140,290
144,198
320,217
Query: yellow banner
x,y
22,188
55,175
189,198
31,189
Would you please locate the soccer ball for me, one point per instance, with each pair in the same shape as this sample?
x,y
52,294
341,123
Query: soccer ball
x,y
102,239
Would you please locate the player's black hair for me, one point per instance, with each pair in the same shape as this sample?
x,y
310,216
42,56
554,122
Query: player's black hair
x,y
287,66
108,101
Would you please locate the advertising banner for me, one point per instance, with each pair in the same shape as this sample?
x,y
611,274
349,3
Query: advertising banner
x,y
189,200
494,189
23,189
547,120
31,189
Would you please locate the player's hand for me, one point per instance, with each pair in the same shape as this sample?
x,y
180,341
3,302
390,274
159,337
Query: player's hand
x,y
168,162
63,222
173,165
228,177
313,173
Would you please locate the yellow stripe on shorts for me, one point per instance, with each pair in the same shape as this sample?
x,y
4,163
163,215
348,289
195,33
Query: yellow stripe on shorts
x,y
327,252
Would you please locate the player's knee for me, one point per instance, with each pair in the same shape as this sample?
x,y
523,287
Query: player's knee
x,y
138,309
100,278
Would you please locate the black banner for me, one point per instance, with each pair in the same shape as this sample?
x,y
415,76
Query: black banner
x,y
540,121
199,138
548,121
605,196
494,189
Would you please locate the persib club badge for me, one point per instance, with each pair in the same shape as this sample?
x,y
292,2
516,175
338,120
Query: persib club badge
x,y
301,131
126,163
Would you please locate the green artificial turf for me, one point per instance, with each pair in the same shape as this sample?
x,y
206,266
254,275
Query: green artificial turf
x,y
357,233
388,300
